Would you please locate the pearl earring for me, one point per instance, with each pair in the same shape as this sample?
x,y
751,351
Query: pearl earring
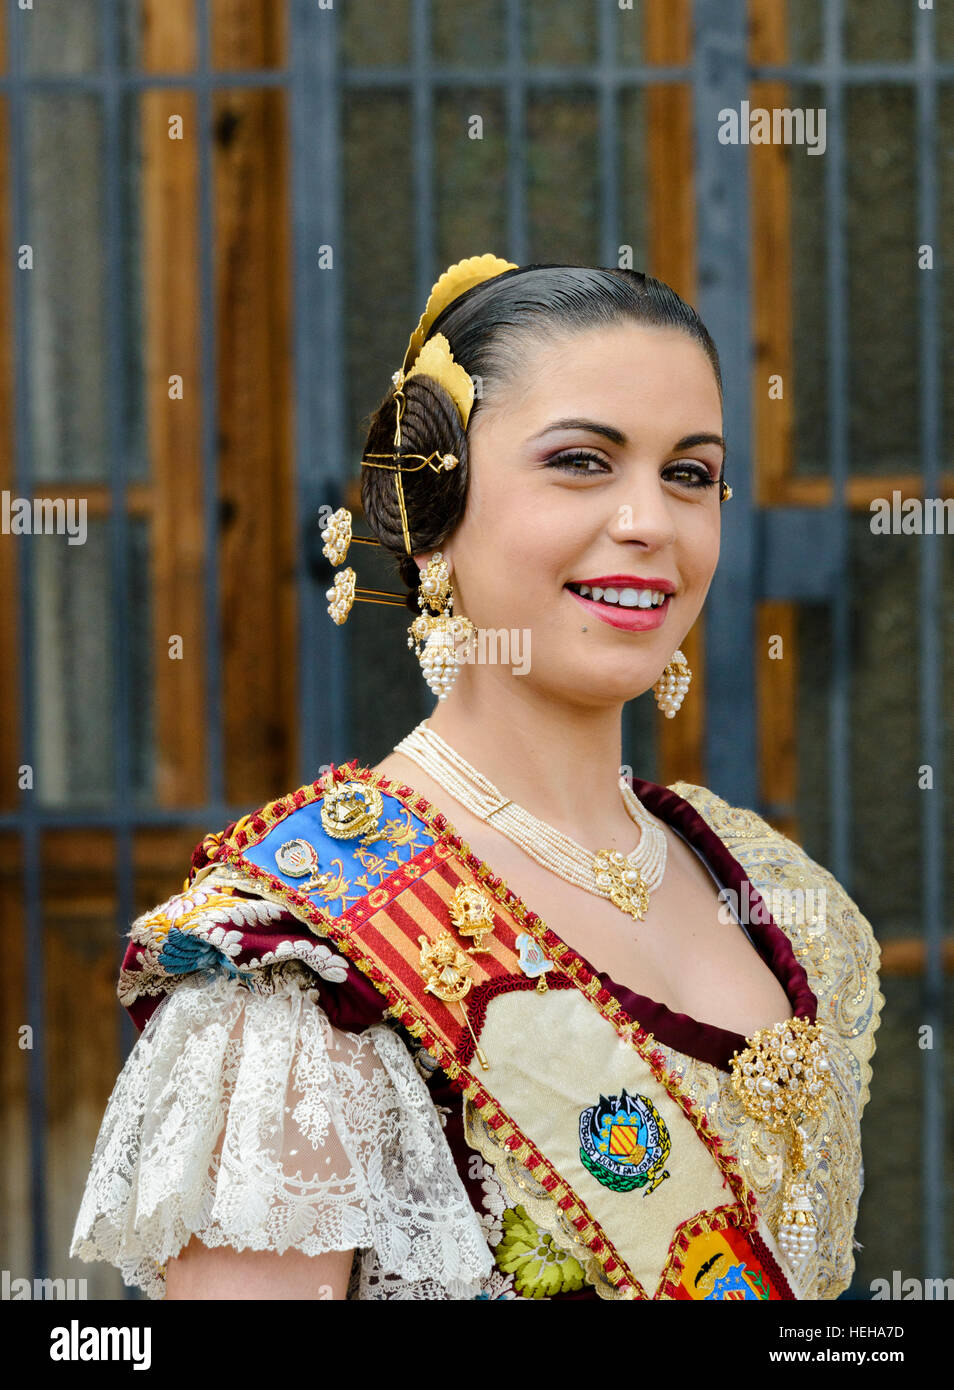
x,y
435,638
671,687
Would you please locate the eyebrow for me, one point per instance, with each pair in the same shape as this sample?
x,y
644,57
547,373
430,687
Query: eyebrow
x,y
688,441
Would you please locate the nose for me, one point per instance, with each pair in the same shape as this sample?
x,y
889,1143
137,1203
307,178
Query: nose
x,y
643,513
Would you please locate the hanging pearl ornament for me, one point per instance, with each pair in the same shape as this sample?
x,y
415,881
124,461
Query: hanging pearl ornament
x,y
670,689
435,638
435,645
797,1233
780,1078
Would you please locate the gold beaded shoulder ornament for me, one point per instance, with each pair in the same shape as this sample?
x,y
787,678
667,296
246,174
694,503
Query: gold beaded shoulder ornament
x,y
437,632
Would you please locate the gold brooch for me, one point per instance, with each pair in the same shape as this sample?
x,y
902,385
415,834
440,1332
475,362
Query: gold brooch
x,y
351,809
472,914
446,970
780,1078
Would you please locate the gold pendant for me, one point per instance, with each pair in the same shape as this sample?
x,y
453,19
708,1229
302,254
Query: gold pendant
x,y
349,809
446,970
472,914
624,886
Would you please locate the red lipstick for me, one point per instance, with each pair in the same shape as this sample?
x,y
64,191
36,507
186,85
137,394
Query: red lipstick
x,y
629,619
628,581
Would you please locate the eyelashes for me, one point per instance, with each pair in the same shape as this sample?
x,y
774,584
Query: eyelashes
x,y
567,462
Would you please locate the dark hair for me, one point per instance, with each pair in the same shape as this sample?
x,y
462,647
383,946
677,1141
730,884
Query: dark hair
x,y
487,328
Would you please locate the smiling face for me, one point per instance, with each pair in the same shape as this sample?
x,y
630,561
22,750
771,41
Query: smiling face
x,y
554,512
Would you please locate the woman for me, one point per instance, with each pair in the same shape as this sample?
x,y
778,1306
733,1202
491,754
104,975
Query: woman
x,y
436,1029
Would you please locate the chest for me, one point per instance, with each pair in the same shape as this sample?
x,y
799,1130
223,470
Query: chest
x,y
688,953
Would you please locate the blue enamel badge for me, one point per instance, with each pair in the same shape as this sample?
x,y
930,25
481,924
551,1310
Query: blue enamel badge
x,y
624,1143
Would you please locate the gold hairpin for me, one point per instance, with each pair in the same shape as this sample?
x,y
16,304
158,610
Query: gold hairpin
x,y
432,358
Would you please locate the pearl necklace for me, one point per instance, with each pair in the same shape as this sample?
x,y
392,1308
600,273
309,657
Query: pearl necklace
x,y
626,880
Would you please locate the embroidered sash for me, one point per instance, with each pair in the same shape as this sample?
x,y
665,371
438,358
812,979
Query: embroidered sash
x,y
574,1090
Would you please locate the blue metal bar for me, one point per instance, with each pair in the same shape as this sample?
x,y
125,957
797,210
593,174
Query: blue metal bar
x,y
116,396
515,97
608,97
138,817
133,81
365,79
426,269
929,667
839,704
853,74
212,640
724,257
422,150
321,451
542,76
25,818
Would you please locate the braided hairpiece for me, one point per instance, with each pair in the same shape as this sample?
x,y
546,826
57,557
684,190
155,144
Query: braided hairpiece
x,y
432,358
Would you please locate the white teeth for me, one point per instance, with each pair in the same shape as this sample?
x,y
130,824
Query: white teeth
x,y
625,598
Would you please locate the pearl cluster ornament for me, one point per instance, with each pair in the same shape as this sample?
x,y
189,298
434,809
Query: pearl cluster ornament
x,y
797,1230
782,1071
435,587
435,639
341,596
439,655
670,689
337,536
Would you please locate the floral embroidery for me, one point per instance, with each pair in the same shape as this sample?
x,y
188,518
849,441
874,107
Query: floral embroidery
x,y
540,1268
186,912
319,957
497,1285
494,1200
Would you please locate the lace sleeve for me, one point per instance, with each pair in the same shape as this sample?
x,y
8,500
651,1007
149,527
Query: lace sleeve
x,y
246,1119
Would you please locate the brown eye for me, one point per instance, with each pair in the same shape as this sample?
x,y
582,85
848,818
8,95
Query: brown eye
x,y
571,461
696,473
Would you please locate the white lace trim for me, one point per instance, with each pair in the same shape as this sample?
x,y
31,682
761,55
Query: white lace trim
x,y
246,1119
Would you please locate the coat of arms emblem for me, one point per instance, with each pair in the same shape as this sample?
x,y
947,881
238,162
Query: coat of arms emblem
x,y
624,1143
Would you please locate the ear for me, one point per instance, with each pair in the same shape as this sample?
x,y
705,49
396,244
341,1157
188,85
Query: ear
x,y
422,558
